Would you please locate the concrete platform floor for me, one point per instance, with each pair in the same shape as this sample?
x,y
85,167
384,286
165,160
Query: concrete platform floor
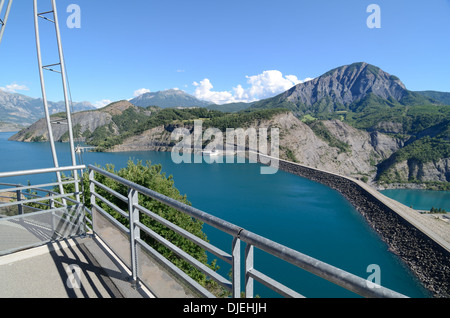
x,y
75,268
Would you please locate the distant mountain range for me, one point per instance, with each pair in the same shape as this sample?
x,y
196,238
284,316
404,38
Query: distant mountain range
x,y
350,87
23,110
168,98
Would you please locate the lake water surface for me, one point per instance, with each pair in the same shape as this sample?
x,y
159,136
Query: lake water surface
x,y
294,211
420,199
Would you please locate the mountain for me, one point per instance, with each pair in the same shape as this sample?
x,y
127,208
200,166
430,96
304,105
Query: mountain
x,y
24,110
355,120
442,97
230,107
168,98
349,87
92,123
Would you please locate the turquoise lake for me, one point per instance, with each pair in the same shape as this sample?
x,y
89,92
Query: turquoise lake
x,y
420,199
296,212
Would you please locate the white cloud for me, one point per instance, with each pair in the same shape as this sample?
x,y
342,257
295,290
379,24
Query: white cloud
x,y
264,85
141,91
102,103
13,88
204,92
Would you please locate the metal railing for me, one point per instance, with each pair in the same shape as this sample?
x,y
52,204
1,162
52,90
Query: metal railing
x,y
33,215
335,275
53,202
23,193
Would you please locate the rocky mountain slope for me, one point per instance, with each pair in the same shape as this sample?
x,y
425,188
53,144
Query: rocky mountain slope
x,y
345,88
299,143
84,124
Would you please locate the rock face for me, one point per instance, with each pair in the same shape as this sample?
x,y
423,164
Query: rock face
x,y
348,84
426,172
39,132
298,140
156,139
82,122
365,149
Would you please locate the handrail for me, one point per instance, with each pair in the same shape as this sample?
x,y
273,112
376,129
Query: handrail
x,y
335,275
40,171
196,213
23,198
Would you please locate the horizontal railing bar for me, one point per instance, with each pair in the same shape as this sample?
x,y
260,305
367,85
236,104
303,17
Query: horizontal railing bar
x,y
191,260
5,197
203,244
40,171
40,203
273,284
335,275
33,208
36,187
111,205
178,272
198,214
9,218
10,184
68,199
88,211
111,191
23,202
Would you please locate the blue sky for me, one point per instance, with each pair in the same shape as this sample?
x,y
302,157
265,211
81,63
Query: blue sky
x,y
225,50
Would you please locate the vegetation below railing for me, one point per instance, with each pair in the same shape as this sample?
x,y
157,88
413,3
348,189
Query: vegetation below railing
x,y
151,177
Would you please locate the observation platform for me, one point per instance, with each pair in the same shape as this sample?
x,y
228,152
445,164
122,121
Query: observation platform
x,y
53,246
81,267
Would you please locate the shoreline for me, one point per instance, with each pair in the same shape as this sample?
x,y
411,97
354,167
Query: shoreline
x,y
416,239
421,244
412,238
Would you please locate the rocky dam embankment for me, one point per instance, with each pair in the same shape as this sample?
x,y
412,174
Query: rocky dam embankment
x,y
427,259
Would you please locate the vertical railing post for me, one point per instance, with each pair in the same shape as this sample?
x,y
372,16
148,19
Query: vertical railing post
x,y
134,232
92,197
248,267
236,273
19,198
